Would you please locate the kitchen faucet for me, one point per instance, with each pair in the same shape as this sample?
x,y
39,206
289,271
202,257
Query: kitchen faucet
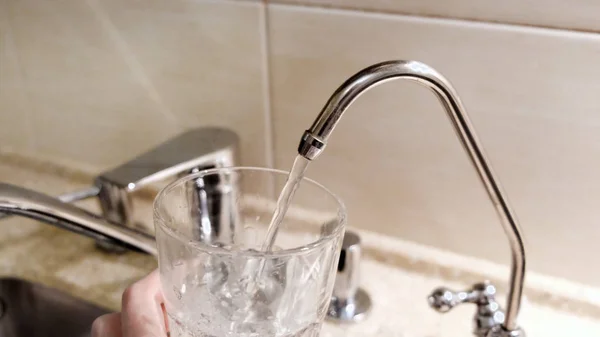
x,y
118,228
490,320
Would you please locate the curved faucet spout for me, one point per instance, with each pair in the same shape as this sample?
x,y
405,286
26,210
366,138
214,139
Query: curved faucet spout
x,y
21,201
314,140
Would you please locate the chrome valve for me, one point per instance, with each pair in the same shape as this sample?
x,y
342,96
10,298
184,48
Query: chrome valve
x,y
489,316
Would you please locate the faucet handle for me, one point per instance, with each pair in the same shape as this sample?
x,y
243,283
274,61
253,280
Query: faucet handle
x,y
489,316
206,147
443,299
349,303
197,149
192,151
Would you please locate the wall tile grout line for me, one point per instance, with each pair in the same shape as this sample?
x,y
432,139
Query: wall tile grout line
x,y
266,74
458,19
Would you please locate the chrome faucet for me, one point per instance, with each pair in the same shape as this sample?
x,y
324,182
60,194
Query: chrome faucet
x,y
314,140
116,229
189,152
21,201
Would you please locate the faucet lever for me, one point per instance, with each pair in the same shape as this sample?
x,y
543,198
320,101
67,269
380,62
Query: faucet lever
x,y
194,150
489,316
443,299
206,147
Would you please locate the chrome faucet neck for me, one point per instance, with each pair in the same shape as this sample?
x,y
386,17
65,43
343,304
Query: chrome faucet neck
x,y
24,202
314,140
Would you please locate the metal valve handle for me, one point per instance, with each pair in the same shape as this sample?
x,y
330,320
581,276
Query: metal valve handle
x,y
443,299
489,316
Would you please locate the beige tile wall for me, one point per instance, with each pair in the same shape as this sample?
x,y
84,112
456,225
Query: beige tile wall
x,y
95,82
574,14
15,131
103,80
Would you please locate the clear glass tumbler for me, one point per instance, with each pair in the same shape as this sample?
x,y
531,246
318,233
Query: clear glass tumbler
x,y
210,227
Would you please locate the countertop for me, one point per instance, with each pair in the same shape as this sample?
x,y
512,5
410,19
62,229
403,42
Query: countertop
x,y
69,262
398,275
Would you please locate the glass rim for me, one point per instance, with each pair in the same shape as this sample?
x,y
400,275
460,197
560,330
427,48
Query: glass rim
x,y
342,214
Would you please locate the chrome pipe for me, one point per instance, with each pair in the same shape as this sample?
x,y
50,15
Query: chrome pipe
x,y
70,197
21,201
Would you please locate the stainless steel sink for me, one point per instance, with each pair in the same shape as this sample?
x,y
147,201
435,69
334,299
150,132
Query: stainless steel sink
x,y
33,310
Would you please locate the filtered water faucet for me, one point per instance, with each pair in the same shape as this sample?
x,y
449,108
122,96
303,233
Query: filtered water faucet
x,y
490,320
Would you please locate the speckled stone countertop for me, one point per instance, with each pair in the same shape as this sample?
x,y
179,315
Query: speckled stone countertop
x,y
63,260
398,275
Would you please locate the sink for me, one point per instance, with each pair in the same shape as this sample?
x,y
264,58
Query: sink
x,y
32,310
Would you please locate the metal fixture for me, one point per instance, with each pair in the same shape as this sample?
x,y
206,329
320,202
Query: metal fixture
x,y
70,197
349,303
314,140
192,151
488,316
21,201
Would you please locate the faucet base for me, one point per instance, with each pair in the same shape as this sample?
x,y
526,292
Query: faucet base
x,y
501,332
350,311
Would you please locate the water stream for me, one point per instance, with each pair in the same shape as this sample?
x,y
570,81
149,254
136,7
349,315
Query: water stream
x,y
284,200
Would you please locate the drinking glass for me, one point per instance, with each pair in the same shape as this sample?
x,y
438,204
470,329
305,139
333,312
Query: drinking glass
x,y
216,281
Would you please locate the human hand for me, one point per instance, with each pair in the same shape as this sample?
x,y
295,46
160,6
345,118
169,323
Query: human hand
x,y
142,314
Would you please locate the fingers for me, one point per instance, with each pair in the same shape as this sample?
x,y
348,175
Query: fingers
x,y
142,315
108,325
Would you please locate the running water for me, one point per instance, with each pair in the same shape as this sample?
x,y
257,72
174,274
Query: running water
x,y
284,200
